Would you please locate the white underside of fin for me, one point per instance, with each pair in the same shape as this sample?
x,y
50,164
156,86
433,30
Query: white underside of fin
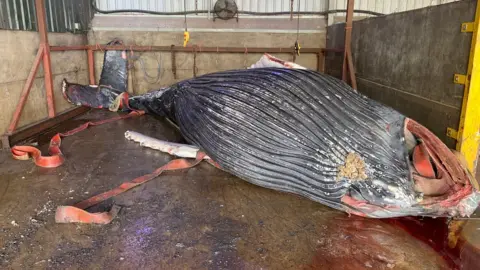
x,y
174,149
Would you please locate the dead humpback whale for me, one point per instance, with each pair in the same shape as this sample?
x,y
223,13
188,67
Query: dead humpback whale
x,y
303,132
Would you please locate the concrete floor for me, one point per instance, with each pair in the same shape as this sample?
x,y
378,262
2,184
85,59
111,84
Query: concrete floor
x,y
201,218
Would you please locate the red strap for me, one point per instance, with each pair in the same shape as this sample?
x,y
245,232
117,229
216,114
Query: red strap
x,y
56,157
176,164
76,213
68,214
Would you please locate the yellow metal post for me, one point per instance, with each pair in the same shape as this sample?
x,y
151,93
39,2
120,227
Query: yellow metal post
x,y
468,131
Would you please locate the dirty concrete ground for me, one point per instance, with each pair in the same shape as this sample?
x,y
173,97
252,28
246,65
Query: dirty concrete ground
x,y
201,218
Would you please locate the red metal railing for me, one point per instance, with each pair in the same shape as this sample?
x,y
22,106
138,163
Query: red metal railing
x,y
44,50
43,54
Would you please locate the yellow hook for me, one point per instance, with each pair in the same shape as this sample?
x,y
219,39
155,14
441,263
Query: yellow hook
x,y
186,38
297,47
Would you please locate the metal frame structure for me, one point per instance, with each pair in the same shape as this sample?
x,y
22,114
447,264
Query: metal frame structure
x,y
43,54
468,133
192,49
13,135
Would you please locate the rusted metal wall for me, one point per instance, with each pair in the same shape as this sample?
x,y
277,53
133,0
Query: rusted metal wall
x,y
62,15
387,6
381,6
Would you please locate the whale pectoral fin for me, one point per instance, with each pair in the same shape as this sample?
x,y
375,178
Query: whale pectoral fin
x,y
174,149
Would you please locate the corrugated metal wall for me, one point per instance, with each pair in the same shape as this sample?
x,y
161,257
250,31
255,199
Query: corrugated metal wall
x,y
177,5
382,6
61,15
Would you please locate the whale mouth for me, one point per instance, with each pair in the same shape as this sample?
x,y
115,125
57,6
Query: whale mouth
x,y
440,177
436,170
439,174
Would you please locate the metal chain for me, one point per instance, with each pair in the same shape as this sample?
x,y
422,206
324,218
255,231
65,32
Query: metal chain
x,y
297,44
298,19
291,10
174,64
195,61
246,56
185,9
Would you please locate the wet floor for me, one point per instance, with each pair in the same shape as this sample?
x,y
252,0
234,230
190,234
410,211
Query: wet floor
x,y
201,218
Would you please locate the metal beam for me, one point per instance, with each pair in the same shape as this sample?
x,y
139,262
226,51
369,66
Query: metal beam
x,y
91,67
30,131
25,91
351,69
47,68
347,55
192,49
468,131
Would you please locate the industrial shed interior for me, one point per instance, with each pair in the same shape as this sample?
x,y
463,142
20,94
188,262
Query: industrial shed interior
x,y
179,134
